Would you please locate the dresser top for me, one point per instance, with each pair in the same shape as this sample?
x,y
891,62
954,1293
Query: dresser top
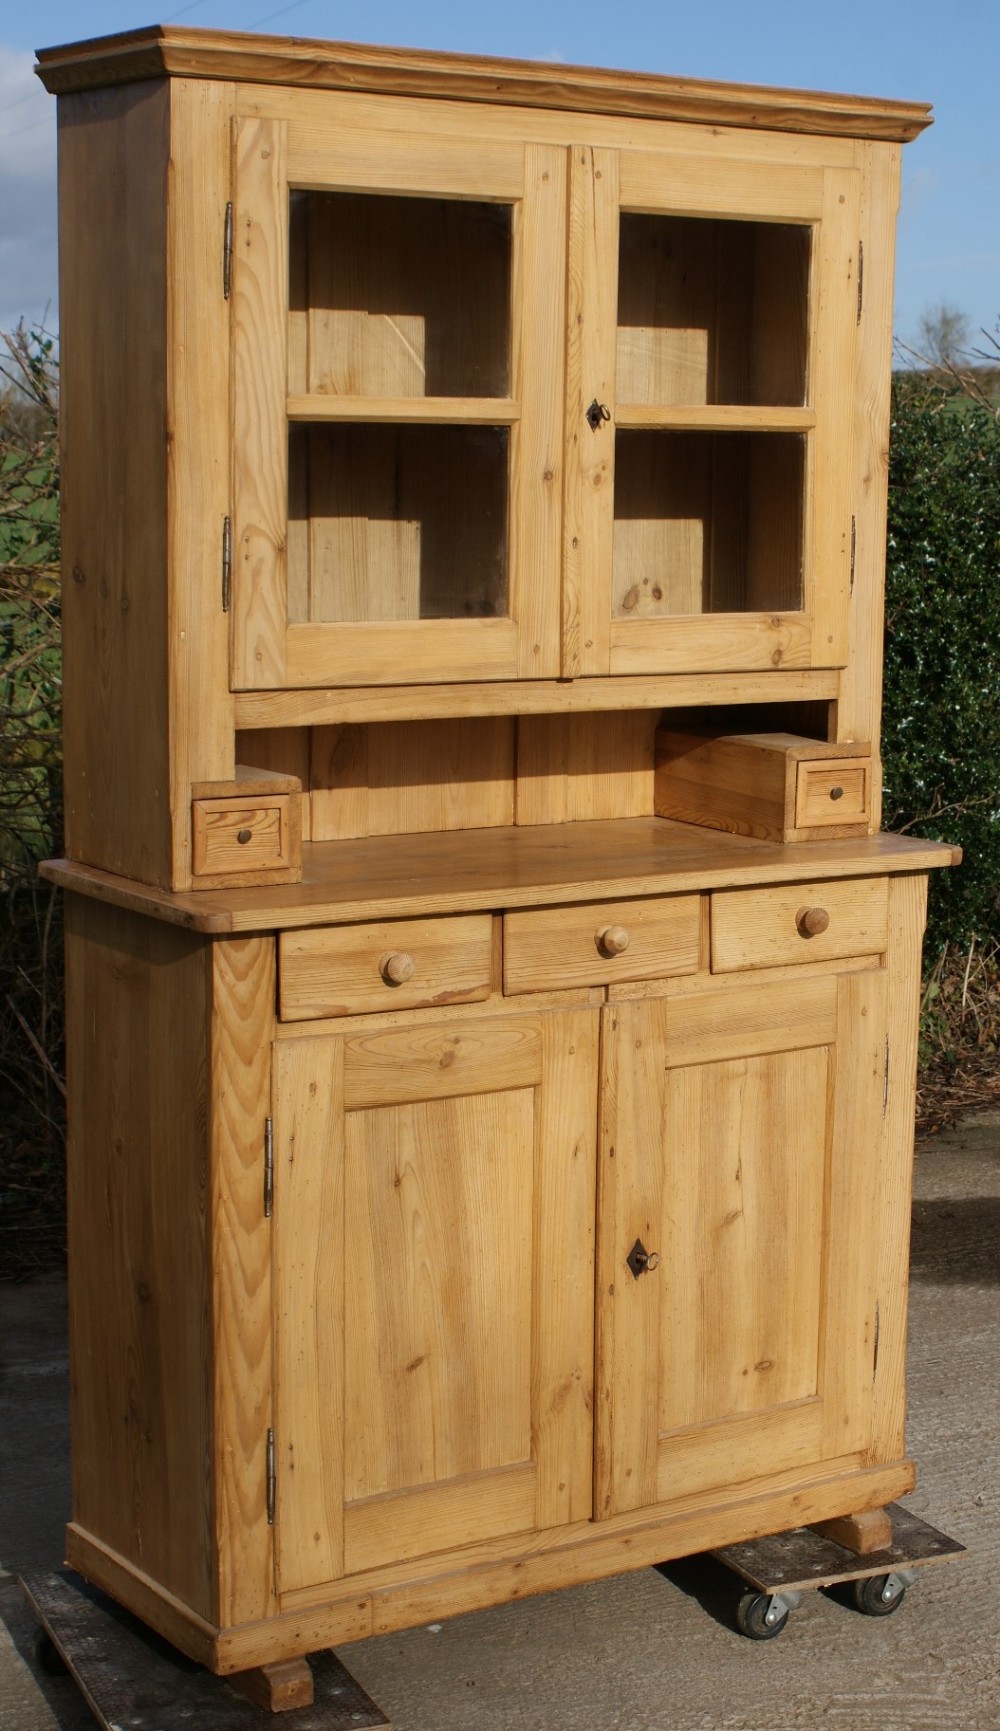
x,y
163,50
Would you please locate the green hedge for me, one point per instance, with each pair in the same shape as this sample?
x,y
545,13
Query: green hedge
x,y
941,719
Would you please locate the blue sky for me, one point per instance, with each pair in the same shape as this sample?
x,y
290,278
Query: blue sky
x,y
949,236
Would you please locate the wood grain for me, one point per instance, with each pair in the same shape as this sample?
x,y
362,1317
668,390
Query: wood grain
x,y
138,996
582,767
552,947
398,778
243,992
762,929
339,971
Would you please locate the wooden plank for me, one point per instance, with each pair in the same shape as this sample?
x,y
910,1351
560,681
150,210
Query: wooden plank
x,y
398,778
562,1278
406,411
309,1311
733,188
831,502
591,322
716,417
327,705
549,947
114,154
259,308
278,60
751,1020
714,643
719,1454
344,970
141,1336
864,1533
391,160
765,928
851,1248
584,767
892,1201
434,1518
278,1688
511,868
243,993
131,1680
859,709
429,649
538,296
436,1062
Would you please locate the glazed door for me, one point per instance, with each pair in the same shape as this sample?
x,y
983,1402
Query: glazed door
x,y
712,316
433,1221
398,307
739,1147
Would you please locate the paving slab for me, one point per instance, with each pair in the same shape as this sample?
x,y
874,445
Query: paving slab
x,y
653,1651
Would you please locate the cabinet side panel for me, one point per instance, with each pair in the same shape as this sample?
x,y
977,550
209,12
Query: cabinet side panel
x,y
243,985
201,709
859,710
140,1336
907,913
113,165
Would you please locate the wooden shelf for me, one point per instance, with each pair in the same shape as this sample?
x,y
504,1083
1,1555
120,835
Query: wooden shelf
x,y
715,417
426,411
468,870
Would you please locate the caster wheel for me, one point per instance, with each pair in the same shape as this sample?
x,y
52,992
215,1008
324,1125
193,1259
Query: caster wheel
x,y
759,1617
878,1595
49,1658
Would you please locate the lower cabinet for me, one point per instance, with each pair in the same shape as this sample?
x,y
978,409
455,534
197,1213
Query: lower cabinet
x,y
450,1197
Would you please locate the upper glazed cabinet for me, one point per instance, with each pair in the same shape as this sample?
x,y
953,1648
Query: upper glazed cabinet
x,y
506,408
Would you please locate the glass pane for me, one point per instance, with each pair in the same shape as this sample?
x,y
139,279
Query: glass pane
x,y
397,522
399,297
712,311
707,523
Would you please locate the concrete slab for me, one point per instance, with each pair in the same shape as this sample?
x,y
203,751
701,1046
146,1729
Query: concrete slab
x,y
652,1651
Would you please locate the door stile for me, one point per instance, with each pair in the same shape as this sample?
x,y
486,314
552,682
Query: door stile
x,y
259,405
591,327
830,509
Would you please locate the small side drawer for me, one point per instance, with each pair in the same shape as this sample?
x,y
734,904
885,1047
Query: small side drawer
x,y
396,965
246,841
594,943
799,923
836,791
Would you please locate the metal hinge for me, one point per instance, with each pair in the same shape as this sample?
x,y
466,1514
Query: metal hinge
x,y
268,1167
854,548
885,1079
227,252
227,562
271,1478
878,1324
861,278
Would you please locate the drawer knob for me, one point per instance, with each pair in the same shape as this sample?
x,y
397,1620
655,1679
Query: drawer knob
x,y
836,793
812,921
244,835
396,967
613,940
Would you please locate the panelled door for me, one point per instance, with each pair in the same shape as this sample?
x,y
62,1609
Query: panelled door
x,y
712,318
434,1253
398,317
739,1152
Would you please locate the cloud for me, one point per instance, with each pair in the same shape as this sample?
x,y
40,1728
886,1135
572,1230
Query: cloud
x,y
28,268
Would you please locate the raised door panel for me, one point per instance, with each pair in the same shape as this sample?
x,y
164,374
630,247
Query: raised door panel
x,y
743,1153
711,329
434,1207
398,316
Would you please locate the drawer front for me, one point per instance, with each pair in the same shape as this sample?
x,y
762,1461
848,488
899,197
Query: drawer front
x,y
394,965
595,943
233,837
799,923
833,791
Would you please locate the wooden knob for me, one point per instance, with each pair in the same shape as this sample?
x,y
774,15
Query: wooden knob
x,y
612,940
396,967
836,793
244,835
812,921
